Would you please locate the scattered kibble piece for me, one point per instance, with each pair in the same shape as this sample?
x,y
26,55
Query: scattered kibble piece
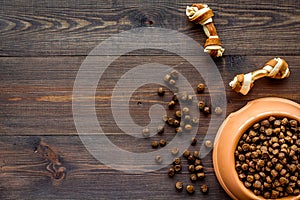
x,y
167,77
161,91
158,159
146,132
208,143
195,120
191,168
206,110
200,88
171,172
160,129
154,144
171,105
174,151
186,153
193,141
197,161
190,189
179,186
177,161
165,118
187,118
188,127
185,110
193,177
218,110
204,189
198,168
170,121
162,142
178,168
201,175
178,130
182,123
178,114
176,123
191,159
196,154
201,105
172,82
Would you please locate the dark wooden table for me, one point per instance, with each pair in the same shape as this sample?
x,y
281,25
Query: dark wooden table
x,y
43,43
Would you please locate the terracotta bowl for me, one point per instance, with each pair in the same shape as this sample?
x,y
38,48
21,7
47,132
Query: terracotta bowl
x,y
230,132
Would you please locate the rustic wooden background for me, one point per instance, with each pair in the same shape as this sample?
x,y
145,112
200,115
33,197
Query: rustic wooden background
x,y
44,42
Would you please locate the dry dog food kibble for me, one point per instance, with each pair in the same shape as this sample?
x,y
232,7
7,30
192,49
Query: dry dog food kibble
x,y
267,158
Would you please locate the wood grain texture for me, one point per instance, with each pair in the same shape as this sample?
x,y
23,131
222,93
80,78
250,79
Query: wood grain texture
x,y
36,93
43,43
34,28
25,174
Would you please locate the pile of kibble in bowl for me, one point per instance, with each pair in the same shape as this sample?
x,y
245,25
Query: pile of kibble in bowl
x,y
267,158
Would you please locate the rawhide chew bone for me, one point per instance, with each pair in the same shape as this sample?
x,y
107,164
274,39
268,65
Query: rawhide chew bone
x,y
276,68
202,14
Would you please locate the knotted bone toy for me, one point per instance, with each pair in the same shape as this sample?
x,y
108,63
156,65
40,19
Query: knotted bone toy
x,y
276,68
202,14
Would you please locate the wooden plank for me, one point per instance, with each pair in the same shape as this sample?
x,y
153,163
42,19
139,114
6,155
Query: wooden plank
x,y
52,28
36,93
43,43
23,174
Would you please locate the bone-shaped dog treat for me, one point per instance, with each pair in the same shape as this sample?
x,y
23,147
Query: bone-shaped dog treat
x,y
276,68
202,14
